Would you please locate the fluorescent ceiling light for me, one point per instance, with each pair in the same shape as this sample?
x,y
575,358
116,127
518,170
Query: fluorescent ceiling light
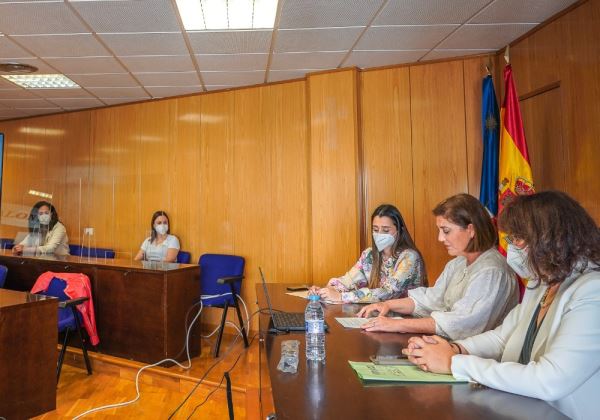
x,y
41,81
199,15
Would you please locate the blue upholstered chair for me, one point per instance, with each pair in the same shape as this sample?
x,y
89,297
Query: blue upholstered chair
x,y
96,252
183,257
3,272
6,243
69,320
222,275
75,250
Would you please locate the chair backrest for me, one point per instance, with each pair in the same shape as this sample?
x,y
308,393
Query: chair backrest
x,y
3,272
183,257
75,250
96,252
6,243
56,288
214,267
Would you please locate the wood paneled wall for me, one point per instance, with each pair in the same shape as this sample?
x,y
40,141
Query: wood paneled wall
x,y
288,174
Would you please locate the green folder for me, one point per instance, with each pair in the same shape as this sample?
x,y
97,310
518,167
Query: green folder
x,y
368,371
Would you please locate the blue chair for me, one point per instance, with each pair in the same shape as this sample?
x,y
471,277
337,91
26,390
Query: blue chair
x,y
3,272
183,257
222,275
75,250
69,320
6,243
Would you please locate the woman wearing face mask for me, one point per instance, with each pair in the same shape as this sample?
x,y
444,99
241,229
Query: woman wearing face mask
x,y
474,292
160,246
387,270
47,235
548,347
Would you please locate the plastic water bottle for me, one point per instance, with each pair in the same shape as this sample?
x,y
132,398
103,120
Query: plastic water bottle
x,y
314,319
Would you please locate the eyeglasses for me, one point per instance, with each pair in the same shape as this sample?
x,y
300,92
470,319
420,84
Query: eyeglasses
x,y
514,240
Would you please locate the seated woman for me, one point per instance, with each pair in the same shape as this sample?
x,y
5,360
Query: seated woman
x,y
474,292
47,235
386,273
160,246
548,347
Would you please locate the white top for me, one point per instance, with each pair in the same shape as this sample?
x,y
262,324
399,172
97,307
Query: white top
x,y
565,358
153,252
467,300
55,242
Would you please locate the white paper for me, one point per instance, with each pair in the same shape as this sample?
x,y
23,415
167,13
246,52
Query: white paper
x,y
355,322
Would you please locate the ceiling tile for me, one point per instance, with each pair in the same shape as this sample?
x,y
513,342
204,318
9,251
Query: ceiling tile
x,y
6,114
168,79
38,18
218,87
230,42
519,11
403,37
367,59
76,103
428,12
145,44
438,54
325,14
307,60
279,75
124,92
63,93
104,80
128,16
41,111
166,91
26,103
325,39
227,62
9,49
15,93
234,78
484,36
157,63
62,45
86,65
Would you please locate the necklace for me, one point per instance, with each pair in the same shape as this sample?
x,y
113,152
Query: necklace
x,y
549,295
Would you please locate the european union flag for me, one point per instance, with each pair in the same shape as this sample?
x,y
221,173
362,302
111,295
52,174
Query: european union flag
x,y
490,118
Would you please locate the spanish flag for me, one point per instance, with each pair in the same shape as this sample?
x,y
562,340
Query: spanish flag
x,y
514,170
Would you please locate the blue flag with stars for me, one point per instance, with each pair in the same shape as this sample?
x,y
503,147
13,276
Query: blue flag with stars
x,y
490,118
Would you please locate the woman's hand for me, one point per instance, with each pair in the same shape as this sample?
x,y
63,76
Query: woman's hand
x,y
17,249
380,307
329,293
430,353
382,323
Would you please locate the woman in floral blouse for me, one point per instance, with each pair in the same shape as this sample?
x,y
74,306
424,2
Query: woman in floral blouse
x,y
387,273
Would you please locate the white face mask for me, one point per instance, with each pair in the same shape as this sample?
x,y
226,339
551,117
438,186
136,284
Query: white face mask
x,y
517,260
44,219
383,240
161,229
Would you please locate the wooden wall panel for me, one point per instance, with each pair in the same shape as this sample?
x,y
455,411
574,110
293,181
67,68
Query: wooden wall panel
x,y
334,171
387,143
439,150
543,131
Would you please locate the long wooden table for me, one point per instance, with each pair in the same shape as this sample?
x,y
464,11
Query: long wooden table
x,y
28,329
140,307
333,391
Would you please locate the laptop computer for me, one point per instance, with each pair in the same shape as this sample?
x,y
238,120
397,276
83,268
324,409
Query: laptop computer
x,y
282,321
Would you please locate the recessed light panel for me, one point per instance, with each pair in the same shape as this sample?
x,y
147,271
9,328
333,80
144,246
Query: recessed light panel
x,y
41,81
218,15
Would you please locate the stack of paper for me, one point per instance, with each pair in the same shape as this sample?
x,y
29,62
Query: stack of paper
x,y
368,371
355,322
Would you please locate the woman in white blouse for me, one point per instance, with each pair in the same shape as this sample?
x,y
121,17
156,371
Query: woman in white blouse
x,y
47,235
474,292
160,246
548,347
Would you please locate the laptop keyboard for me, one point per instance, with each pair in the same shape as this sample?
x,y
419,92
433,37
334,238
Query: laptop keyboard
x,y
287,320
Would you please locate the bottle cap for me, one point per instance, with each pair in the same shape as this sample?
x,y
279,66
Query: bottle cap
x,y
314,297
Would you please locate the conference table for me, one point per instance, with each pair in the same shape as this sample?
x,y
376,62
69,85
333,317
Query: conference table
x,y
140,306
332,390
28,354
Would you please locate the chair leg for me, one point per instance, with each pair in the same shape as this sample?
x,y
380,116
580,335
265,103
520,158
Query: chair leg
x,y
221,329
239,315
83,343
61,356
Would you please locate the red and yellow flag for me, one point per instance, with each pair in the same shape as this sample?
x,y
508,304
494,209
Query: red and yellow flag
x,y
514,170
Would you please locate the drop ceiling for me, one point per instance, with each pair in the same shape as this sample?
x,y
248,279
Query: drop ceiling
x,y
122,51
